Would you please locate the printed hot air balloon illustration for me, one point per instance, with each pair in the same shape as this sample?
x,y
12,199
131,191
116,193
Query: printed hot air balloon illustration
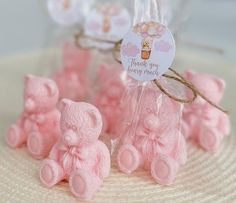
x,y
68,12
148,31
66,4
108,10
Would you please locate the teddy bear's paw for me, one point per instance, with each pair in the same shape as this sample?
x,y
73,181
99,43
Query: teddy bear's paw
x,y
164,169
37,145
51,173
128,159
15,137
209,139
83,185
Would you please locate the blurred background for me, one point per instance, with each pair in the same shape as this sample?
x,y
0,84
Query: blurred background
x,y
26,27
206,43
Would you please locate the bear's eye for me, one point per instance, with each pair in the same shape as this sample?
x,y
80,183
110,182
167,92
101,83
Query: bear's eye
x,y
68,126
148,110
74,128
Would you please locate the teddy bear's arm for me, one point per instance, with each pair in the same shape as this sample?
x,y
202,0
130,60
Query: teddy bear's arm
x,y
224,124
51,121
55,153
104,162
180,149
56,121
40,119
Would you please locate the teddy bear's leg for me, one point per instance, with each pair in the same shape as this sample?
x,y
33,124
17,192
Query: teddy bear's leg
x,y
51,173
39,145
224,124
105,124
84,184
164,169
128,158
209,138
15,136
105,138
186,129
179,152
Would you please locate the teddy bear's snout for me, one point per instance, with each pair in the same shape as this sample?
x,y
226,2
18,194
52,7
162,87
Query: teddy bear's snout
x,y
29,105
70,137
151,122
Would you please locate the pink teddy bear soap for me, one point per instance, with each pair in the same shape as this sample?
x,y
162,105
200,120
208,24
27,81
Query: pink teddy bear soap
x,y
38,124
78,156
201,121
72,78
112,80
150,136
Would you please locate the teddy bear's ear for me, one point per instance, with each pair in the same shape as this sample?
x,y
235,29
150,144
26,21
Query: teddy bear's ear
x,y
221,84
95,119
188,74
63,104
28,78
51,88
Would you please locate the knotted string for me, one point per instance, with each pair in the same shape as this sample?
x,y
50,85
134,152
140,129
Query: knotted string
x,y
178,77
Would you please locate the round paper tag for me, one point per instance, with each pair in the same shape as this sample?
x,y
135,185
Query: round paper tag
x,y
108,21
147,51
68,12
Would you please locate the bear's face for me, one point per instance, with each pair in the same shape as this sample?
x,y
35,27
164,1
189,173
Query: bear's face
x,y
159,113
81,123
211,86
146,45
40,94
